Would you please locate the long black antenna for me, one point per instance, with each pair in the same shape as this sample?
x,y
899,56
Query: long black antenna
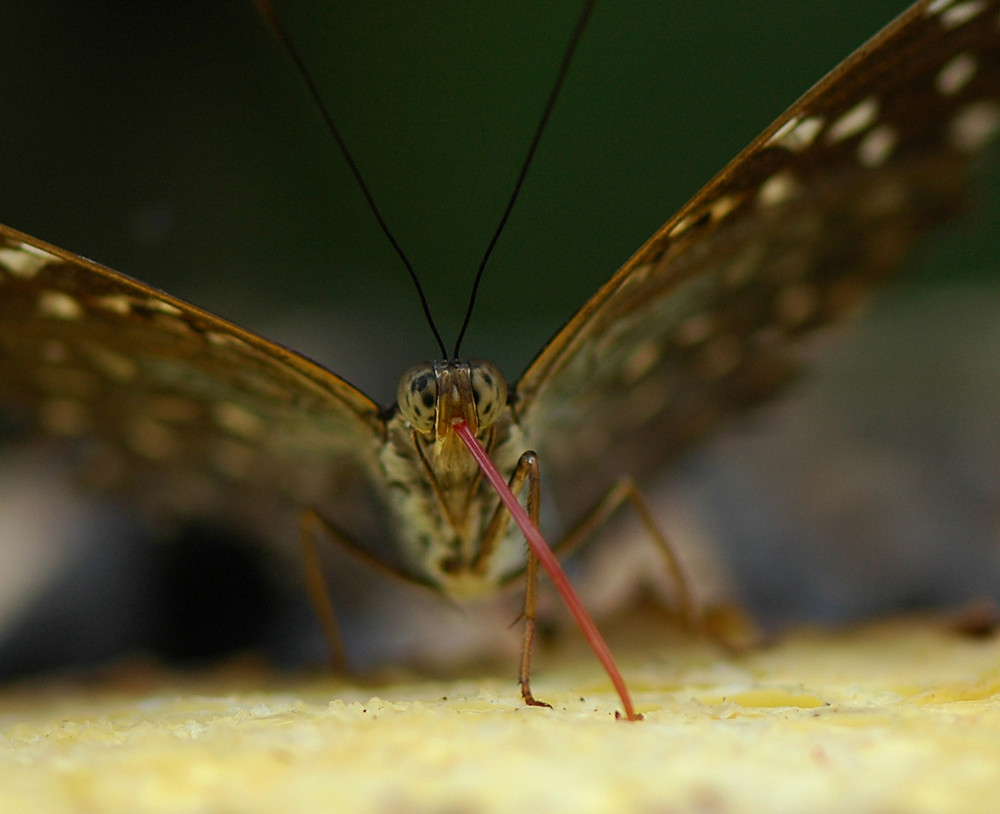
x,y
574,40
269,14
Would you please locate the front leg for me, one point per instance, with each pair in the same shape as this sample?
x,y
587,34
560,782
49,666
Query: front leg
x,y
527,470
529,614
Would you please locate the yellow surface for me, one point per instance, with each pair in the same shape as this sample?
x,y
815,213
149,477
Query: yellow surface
x,y
897,716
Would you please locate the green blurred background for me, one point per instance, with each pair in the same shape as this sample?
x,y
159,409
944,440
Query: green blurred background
x,y
173,141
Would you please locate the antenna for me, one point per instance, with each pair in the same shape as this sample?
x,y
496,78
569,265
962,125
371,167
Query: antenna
x,y
270,15
574,40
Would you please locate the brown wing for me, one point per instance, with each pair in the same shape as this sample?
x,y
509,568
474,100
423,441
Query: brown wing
x,y
167,401
706,319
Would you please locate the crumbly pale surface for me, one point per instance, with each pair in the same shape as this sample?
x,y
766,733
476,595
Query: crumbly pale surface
x,y
900,715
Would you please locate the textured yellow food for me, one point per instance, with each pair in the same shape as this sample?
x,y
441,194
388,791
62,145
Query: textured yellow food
x,y
900,715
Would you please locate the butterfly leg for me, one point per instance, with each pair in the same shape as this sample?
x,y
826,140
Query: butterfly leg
x,y
309,525
626,491
529,615
526,471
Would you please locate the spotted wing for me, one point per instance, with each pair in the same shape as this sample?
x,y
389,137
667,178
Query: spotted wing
x,y
167,401
706,319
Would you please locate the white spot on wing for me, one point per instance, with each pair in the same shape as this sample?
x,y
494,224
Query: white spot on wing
x,y
722,206
115,303
694,330
955,74
637,276
641,361
961,13
778,189
37,252
680,227
937,6
154,304
23,262
797,134
877,145
225,340
859,118
116,366
716,211
974,126
237,420
59,305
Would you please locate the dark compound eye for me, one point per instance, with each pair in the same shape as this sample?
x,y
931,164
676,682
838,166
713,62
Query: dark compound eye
x,y
417,397
489,389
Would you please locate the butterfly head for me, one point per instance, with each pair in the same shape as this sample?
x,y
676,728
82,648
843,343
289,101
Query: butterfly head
x,y
434,395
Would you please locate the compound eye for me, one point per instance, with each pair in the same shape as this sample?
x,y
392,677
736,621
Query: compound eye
x,y
489,389
417,397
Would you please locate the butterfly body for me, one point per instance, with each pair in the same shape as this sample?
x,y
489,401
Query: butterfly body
x,y
442,508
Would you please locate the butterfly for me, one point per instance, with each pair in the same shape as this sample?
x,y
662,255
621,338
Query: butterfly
x,y
187,411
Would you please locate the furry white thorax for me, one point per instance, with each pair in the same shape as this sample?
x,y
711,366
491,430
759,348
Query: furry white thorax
x,y
440,543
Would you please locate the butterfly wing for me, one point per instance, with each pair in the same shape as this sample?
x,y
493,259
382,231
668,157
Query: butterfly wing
x,y
706,319
168,402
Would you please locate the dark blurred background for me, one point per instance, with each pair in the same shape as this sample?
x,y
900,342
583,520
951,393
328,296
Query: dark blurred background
x,y
175,143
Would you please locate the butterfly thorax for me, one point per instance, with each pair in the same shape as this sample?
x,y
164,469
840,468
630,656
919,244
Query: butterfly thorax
x,y
440,504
